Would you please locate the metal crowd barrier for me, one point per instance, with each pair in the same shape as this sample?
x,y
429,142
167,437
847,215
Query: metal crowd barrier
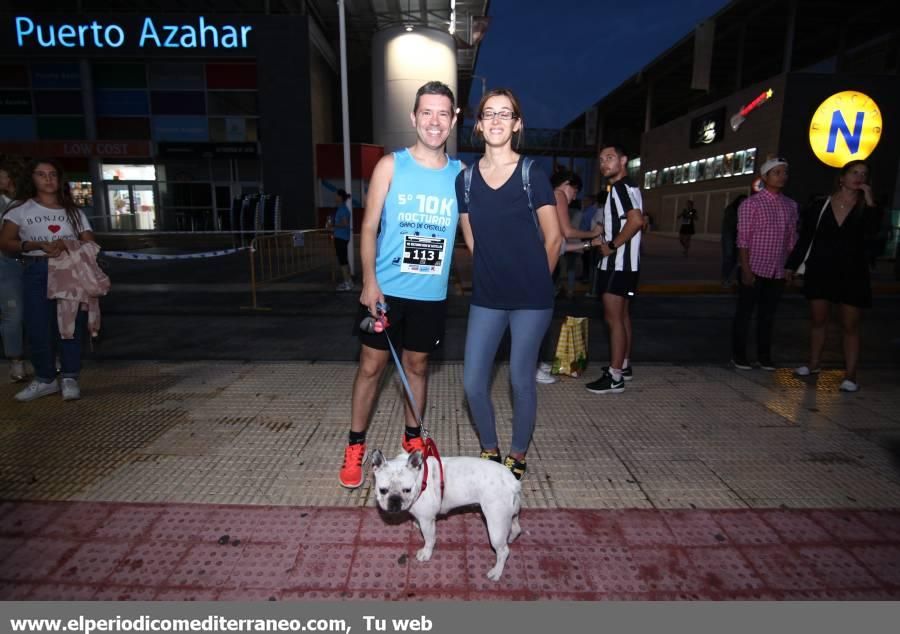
x,y
282,255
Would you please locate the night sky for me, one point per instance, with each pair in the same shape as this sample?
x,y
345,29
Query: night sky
x,y
560,57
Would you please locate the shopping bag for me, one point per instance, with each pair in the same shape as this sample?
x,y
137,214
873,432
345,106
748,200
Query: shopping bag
x,y
572,349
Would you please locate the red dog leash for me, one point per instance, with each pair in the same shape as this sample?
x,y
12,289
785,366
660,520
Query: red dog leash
x,y
431,449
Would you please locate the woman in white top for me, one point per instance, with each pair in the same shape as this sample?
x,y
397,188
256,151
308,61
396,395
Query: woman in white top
x,y
11,285
34,228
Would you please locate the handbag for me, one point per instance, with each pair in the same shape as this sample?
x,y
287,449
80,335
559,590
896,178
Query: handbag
x,y
571,354
802,268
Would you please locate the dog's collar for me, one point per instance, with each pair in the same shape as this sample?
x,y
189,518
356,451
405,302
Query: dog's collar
x,y
431,450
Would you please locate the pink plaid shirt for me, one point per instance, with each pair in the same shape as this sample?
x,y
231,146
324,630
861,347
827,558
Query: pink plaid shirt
x,y
767,226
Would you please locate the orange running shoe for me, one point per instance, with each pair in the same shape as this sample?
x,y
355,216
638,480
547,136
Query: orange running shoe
x,y
351,475
414,444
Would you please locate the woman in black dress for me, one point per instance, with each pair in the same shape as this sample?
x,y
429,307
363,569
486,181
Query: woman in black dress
x,y
832,247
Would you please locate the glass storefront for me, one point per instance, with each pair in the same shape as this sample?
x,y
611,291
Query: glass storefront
x,y
130,196
193,107
193,194
174,142
132,206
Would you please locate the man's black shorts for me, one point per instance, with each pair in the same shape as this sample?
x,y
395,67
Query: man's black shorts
x,y
622,283
415,325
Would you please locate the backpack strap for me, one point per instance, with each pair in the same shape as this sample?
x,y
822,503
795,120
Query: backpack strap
x,y
526,183
526,180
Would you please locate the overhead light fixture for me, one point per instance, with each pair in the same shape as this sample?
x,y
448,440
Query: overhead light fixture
x,y
409,25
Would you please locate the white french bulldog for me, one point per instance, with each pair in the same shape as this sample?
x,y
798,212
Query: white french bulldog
x,y
467,481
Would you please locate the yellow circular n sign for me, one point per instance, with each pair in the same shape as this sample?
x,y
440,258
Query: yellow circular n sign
x,y
845,127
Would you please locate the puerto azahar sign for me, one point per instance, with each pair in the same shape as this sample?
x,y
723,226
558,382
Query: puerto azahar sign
x,y
846,127
192,33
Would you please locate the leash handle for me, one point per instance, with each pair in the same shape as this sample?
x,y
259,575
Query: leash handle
x,y
405,382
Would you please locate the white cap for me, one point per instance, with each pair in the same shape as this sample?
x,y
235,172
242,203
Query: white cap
x,y
771,163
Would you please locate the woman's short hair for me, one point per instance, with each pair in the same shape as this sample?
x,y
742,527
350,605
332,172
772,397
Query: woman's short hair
x,y
435,88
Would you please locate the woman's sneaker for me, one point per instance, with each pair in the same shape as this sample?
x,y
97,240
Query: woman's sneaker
x,y
805,370
543,374
849,386
517,467
491,455
70,390
16,370
36,389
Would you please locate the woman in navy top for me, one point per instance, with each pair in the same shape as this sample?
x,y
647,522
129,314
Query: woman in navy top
x,y
514,246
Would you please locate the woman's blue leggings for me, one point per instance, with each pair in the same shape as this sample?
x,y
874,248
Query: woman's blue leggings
x,y
485,331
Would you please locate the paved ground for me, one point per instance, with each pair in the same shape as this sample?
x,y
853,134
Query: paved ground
x,y
96,551
193,310
698,482
179,476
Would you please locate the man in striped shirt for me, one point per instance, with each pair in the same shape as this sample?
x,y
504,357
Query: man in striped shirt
x,y
767,231
617,275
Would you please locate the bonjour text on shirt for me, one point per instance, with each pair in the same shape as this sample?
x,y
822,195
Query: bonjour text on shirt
x,y
37,223
767,226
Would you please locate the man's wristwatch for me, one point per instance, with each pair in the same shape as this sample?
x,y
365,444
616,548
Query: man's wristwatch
x,y
611,245
586,245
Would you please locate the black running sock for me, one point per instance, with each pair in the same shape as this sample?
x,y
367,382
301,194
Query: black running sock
x,y
413,432
357,437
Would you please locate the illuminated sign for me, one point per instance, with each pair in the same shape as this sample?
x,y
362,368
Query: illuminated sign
x,y
708,128
846,127
744,112
194,35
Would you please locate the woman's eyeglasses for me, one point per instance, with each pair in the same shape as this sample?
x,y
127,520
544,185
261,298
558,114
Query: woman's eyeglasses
x,y
503,115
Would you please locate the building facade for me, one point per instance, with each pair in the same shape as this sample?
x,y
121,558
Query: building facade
x,y
825,87
700,157
163,120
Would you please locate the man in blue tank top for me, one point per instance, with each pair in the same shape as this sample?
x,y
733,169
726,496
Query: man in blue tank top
x,y
412,199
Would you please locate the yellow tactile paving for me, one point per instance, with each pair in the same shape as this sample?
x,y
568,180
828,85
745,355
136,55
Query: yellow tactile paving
x,y
273,433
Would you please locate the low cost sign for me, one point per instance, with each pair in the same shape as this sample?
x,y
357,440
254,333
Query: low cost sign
x,y
845,127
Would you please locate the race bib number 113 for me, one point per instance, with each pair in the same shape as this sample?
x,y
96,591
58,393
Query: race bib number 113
x,y
423,256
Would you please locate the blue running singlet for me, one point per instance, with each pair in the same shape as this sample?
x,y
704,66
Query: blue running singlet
x,y
418,227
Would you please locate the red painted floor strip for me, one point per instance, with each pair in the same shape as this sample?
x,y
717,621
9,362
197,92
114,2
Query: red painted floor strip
x,y
89,550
